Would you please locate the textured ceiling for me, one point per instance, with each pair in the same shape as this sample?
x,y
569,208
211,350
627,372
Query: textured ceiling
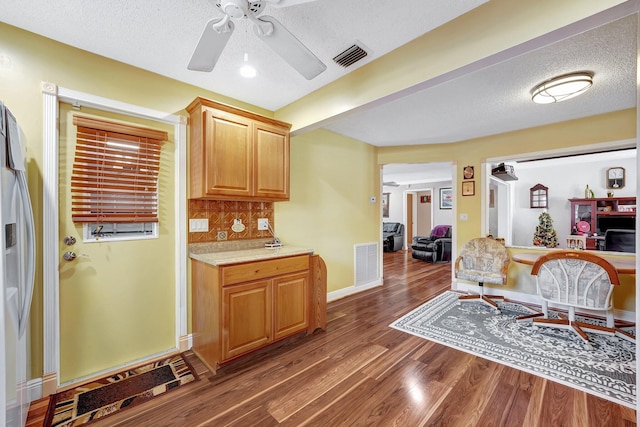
x,y
160,36
497,99
485,98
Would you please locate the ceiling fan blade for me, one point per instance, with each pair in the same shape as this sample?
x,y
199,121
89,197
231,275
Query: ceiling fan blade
x,y
211,44
285,44
286,3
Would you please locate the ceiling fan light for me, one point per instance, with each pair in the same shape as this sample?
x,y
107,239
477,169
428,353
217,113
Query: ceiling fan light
x,y
562,88
247,71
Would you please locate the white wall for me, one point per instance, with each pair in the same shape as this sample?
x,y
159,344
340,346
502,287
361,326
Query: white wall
x,y
566,179
396,202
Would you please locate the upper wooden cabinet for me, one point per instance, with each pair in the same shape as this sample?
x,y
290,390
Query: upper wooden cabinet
x,y
236,154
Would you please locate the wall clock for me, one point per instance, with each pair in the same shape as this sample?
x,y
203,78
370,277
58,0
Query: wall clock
x,y
467,172
615,177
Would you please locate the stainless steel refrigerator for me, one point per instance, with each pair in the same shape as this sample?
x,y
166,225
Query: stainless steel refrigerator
x,y
17,266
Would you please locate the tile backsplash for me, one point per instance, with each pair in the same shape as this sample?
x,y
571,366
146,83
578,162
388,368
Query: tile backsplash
x,y
222,214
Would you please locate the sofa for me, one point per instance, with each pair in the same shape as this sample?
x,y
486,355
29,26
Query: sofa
x,y
392,236
434,248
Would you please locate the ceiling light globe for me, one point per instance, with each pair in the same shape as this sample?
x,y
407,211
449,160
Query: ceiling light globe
x,y
562,88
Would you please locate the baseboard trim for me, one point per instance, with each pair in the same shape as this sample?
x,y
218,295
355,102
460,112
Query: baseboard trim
x,y
49,384
352,290
34,389
627,316
185,342
117,368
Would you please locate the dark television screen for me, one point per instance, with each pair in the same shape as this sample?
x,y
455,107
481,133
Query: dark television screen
x,y
618,222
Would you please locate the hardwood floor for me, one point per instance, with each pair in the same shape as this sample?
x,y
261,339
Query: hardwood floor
x,y
360,372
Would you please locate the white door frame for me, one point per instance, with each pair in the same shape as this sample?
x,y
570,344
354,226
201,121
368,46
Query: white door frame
x,y
51,96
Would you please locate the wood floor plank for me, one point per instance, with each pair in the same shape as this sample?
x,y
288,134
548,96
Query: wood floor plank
x,y
469,395
361,372
295,399
404,397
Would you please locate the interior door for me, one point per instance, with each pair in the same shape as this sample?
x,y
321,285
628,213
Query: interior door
x,y
117,298
409,226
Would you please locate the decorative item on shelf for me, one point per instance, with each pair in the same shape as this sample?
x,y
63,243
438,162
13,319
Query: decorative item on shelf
x,y
539,196
577,242
467,172
468,188
609,194
615,177
588,193
504,172
626,208
583,228
545,235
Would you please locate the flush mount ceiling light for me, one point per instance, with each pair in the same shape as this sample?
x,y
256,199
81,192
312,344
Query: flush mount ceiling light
x,y
561,88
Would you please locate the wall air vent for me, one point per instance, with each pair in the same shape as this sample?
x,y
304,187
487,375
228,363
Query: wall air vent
x,y
366,263
350,56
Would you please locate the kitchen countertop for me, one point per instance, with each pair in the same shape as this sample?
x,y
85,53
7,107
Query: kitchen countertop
x,y
253,251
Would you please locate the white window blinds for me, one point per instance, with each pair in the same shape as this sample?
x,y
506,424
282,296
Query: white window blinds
x,y
115,172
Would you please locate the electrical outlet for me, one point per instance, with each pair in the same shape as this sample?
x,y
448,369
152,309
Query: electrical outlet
x,y
222,235
263,223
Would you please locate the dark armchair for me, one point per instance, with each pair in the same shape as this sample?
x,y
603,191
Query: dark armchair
x,y
436,247
392,236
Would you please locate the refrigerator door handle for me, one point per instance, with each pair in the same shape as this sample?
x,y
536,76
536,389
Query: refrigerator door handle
x,y
31,251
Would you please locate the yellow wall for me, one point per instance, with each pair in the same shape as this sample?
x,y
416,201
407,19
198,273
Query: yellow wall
x,y
28,60
114,285
332,178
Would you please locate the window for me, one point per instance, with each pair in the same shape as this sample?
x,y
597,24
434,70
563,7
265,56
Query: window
x,y
114,183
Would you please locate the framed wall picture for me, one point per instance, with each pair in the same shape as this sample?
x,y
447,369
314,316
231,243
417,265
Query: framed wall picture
x,y
468,188
425,199
446,198
385,205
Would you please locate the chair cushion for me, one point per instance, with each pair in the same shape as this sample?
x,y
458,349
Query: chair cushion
x,y
390,227
575,282
440,231
483,260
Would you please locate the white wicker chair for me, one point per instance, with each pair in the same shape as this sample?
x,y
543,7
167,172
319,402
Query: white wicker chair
x,y
577,279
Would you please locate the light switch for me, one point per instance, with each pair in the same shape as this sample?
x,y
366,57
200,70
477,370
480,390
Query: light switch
x,y
198,225
464,217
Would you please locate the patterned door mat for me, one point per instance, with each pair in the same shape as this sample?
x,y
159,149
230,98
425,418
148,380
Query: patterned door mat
x,y
97,399
607,371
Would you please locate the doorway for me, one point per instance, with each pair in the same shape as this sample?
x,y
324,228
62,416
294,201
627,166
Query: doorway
x,y
52,256
419,209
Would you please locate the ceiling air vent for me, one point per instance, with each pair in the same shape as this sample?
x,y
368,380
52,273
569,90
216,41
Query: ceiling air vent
x,y
350,56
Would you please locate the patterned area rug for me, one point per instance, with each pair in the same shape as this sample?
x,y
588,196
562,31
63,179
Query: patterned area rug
x,y
607,371
88,402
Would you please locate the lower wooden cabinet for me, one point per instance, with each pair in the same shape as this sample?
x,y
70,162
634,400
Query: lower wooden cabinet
x,y
243,307
246,318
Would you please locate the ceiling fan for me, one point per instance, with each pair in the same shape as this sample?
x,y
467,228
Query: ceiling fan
x,y
217,32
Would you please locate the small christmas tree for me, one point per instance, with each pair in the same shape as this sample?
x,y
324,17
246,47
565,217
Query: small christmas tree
x,y
545,234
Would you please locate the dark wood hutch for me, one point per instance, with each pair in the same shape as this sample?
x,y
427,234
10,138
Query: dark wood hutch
x,y
601,214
